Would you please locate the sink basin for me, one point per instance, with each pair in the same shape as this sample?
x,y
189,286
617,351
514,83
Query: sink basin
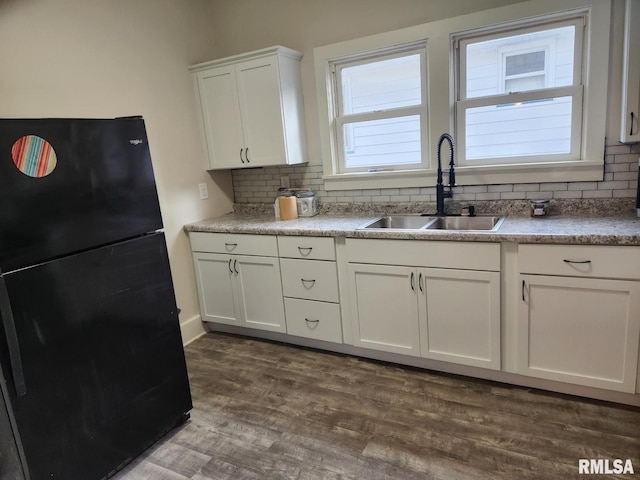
x,y
487,223
398,222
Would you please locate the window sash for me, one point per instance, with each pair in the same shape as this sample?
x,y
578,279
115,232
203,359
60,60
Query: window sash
x,y
578,21
574,92
341,119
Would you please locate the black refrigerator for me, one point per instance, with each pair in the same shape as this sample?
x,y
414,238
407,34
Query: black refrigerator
x,y
91,360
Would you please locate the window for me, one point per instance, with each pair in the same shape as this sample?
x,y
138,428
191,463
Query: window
x,y
522,88
381,110
519,95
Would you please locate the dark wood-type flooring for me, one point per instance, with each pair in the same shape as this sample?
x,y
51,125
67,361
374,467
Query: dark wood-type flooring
x,y
264,410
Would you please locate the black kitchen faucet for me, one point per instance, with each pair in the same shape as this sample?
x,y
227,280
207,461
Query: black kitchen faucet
x,y
440,192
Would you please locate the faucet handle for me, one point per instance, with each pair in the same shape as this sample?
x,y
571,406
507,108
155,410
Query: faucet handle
x,y
471,210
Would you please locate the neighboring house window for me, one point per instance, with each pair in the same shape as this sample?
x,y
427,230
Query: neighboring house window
x,y
380,113
519,95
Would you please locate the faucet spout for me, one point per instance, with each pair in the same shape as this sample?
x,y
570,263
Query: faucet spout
x,y
440,192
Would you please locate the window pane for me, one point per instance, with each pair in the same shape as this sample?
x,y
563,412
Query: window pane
x,y
389,141
381,85
539,127
524,63
492,63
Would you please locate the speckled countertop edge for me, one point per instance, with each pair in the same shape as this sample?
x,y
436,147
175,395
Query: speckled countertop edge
x,y
588,230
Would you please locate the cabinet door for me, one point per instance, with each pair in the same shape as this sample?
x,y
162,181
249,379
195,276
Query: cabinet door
x,y
384,308
259,290
577,330
261,110
630,120
215,281
221,117
460,316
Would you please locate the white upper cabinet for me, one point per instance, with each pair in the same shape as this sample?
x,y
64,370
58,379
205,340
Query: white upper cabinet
x,y
630,121
251,109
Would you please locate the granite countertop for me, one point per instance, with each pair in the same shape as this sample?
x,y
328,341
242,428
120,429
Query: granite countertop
x,y
621,229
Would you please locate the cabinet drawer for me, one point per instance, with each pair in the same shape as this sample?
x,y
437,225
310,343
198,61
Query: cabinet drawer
x,y
580,260
310,248
317,320
233,243
309,279
425,253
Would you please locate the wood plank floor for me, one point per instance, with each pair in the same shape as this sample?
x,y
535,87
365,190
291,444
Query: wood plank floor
x,y
264,410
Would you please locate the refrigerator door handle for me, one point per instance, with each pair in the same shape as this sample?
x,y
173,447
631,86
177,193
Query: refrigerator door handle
x,y
12,340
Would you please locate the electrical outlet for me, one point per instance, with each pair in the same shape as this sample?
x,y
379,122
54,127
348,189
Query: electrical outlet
x,y
204,193
284,181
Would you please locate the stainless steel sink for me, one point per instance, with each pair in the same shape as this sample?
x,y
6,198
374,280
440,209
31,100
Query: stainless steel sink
x,y
398,222
479,222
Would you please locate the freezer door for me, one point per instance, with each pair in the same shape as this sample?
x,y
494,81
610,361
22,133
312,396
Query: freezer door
x,y
101,356
67,185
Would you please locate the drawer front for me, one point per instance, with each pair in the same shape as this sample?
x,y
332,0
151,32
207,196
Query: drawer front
x,y
425,253
309,279
310,319
580,260
234,243
309,248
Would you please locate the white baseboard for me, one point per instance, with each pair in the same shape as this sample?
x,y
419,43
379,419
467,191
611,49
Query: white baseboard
x,y
191,329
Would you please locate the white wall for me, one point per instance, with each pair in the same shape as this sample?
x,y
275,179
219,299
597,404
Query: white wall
x,y
94,58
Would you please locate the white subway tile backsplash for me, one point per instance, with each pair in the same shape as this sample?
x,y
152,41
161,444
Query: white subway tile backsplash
x,y
259,185
597,194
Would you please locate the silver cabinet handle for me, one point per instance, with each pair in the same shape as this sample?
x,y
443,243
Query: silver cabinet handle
x,y
302,251
235,267
241,155
576,261
420,282
246,155
413,282
305,282
230,271
524,286
311,321
631,129
230,246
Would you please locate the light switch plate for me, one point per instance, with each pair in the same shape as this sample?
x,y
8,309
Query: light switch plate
x,y
204,193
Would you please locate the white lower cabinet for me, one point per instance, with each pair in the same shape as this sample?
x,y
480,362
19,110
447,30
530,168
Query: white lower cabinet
x,y
384,308
447,314
579,329
240,290
310,287
460,316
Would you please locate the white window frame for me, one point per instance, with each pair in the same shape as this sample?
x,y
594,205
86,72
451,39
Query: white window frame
x,y
341,118
575,91
441,97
